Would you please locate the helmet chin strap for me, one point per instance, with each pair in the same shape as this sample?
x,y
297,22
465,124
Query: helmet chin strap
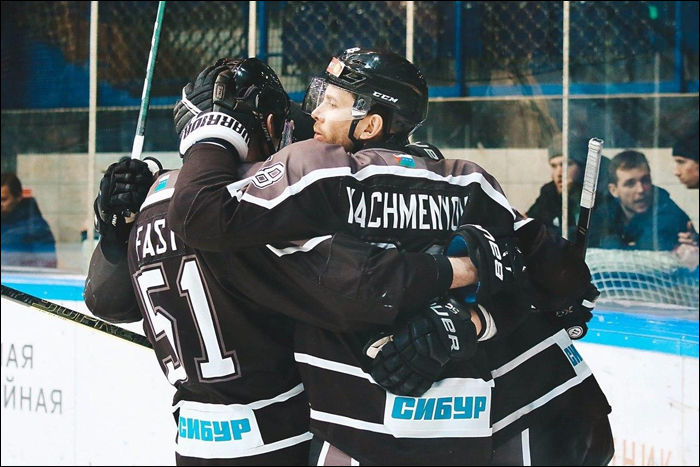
x,y
266,134
356,144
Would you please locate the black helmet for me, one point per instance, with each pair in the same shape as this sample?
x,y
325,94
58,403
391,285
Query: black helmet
x,y
377,77
258,85
230,81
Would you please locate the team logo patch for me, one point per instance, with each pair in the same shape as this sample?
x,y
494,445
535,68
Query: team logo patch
x,y
572,354
405,160
162,183
335,67
217,431
453,407
268,175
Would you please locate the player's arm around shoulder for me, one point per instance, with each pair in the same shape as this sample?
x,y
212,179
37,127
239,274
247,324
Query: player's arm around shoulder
x,y
344,284
201,196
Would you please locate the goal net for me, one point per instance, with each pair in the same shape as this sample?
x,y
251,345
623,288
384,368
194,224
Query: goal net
x,y
643,276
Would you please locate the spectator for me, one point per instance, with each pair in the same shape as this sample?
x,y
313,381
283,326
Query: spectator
x,y
26,237
685,153
636,214
547,207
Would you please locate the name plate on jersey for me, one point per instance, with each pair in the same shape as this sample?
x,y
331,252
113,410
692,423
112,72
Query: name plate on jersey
x,y
452,408
212,430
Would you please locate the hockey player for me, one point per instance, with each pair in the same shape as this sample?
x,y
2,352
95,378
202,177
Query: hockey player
x,y
385,195
214,320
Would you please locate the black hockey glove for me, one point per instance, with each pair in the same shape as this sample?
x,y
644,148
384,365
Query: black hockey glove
x,y
575,319
212,109
408,362
557,272
123,189
499,262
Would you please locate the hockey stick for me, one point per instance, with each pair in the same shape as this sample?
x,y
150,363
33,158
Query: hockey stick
x,y
137,149
76,317
590,185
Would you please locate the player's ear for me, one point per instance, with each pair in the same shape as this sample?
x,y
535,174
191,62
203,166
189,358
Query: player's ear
x,y
371,127
613,190
270,124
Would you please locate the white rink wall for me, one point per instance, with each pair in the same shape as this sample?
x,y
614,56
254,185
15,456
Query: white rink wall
x,y
73,396
521,173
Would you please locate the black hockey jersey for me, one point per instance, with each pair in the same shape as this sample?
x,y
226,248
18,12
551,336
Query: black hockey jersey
x,y
379,195
227,356
543,387
313,189
221,329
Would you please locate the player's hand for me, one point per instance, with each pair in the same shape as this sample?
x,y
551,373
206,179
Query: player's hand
x,y
575,318
499,262
688,256
408,362
558,274
123,190
211,109
689,237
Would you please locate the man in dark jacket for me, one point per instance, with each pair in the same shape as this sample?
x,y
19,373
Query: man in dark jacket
x,y
636,215
547,207
685,155
26,237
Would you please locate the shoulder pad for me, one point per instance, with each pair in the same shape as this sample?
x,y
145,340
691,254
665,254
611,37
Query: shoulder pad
x,y
424,150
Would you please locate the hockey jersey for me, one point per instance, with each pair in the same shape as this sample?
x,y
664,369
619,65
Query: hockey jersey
x,y
227,356
222,329
311,190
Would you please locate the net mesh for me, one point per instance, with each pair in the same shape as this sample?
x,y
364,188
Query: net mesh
x,y
643,276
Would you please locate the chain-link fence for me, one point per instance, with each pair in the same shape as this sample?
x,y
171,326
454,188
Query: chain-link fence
x,y
465,49
47,43
495,71
461,46
307,34
193,35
